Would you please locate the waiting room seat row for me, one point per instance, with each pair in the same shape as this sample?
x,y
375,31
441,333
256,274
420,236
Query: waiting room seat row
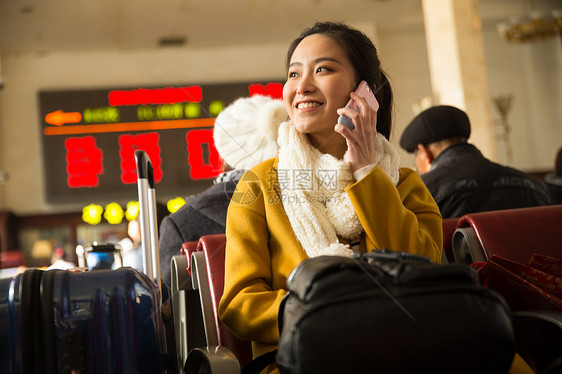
x,y
515,234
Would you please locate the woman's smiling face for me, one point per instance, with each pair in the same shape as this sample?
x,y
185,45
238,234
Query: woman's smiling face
x,y
319,80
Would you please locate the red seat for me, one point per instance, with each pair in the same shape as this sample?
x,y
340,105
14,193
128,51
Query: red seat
x,y
515,234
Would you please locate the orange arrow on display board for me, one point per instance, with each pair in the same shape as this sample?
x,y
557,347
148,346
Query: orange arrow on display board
x,y
59,118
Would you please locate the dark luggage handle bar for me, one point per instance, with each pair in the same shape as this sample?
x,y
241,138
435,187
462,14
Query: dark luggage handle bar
x,y
144,167
147,209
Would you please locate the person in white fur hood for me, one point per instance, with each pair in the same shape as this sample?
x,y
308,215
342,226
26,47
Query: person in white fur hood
x,y
245,134
330,190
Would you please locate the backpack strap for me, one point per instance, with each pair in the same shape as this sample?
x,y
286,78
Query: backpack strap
x,y
259,363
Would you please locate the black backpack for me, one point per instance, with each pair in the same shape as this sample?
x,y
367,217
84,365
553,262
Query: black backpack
x,y
391,312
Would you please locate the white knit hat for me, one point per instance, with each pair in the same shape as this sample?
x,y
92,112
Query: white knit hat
x,y
246,131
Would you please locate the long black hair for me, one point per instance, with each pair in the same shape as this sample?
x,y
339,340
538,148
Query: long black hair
x,y
365,60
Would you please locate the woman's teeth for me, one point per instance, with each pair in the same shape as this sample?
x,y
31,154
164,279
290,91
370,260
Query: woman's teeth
x,y
308,105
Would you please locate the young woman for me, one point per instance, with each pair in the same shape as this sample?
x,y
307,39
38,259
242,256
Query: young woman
x,y
330,191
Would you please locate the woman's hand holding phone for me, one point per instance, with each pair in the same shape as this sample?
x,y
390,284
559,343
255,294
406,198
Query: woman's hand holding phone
x,y
364,91
360,140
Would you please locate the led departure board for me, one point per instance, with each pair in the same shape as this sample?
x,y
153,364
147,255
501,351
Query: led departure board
x,y
89,138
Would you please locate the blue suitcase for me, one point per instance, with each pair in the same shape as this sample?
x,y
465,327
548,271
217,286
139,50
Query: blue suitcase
x,y
104,321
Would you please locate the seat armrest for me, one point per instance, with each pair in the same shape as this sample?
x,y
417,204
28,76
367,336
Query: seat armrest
x,y
180,283
200,282
466,246
449,227
212,360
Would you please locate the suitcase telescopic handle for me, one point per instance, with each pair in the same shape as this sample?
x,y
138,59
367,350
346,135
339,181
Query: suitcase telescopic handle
x,y
147,217
144,167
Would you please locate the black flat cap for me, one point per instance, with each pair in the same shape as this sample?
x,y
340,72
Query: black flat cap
x,y
435,124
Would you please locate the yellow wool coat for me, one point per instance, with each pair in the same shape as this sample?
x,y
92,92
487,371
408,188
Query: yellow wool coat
x,y
262,249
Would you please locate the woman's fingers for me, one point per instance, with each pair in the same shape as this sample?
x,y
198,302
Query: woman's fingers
x,y
361,140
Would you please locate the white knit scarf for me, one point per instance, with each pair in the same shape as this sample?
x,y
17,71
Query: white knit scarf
x,y
312,191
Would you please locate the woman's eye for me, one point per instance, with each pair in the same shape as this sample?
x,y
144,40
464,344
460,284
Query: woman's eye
x,y
292,74
322,69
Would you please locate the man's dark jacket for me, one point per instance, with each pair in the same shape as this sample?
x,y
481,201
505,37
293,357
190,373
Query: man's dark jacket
x,y
463,181
203,214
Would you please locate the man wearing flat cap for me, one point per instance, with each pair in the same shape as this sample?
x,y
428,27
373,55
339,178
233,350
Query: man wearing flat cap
x,y
456,173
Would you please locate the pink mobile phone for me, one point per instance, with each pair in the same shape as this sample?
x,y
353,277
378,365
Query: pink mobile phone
x,y
364,91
